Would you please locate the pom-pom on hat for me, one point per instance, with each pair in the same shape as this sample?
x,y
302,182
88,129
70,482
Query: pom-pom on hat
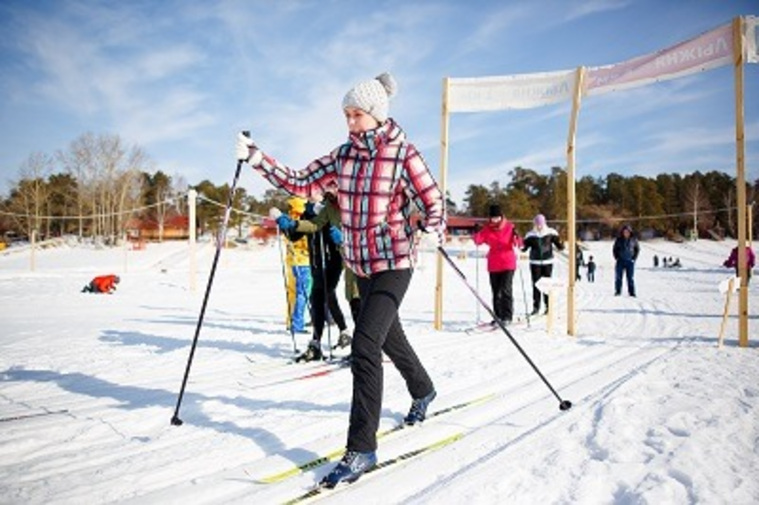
x,y
373,97
495,211
540,220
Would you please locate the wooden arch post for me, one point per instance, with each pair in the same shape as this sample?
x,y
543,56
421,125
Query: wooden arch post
x,y
438,324
740,178
571,201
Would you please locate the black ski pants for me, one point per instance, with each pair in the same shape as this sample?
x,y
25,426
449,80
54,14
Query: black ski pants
x,y
324,285
537,272
378,329
501,284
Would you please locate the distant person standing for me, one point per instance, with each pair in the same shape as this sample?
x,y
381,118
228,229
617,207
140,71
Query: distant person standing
x,y
501,238
591,269
540,241
625,252
732,262
579,261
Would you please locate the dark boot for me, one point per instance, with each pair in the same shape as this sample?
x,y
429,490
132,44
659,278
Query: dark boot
x,y
313,353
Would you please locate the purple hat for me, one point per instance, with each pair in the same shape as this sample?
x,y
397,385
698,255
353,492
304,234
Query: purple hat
x,y
540,220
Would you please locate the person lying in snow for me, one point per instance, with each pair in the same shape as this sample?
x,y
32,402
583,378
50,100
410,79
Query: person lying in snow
x,y
102,284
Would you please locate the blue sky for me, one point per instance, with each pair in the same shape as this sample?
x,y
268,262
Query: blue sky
x,y
180,79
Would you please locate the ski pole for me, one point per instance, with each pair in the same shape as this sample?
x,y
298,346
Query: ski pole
x,y
274,213
477,277
563,404
220,242
524,297
325,291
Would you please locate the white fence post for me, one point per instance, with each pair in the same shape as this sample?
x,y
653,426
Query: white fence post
x,y
192,199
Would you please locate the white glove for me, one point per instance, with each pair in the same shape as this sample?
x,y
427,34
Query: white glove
x,y
247,151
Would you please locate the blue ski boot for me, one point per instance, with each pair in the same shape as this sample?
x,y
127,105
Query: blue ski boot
x,y
418,410
350,468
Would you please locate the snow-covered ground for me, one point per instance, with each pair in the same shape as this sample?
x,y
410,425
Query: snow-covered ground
x,y
661,415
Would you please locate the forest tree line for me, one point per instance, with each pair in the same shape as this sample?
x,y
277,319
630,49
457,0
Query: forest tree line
x,y
98,183
670,205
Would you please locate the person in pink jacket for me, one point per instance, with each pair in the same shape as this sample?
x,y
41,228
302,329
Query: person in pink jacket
x,y
732,262
501,238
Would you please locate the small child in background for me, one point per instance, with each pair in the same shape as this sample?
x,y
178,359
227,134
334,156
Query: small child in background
x,y
591,265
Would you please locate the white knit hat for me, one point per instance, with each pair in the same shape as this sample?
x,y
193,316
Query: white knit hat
x,y
373,96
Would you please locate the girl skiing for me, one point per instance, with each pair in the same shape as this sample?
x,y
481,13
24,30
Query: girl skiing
x,y
379,174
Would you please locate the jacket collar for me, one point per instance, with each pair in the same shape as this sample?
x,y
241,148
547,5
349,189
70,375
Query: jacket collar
x,y
387,133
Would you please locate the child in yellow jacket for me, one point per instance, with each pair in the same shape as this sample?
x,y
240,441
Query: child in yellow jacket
x,y
299,271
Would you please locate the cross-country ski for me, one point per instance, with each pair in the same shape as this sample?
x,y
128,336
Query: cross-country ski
x,y
382,434
321,491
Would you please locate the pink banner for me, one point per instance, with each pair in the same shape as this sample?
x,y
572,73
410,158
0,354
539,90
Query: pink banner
x,y
707,51
710,50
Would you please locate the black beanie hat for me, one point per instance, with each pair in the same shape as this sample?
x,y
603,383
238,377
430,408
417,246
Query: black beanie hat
x,y
495,211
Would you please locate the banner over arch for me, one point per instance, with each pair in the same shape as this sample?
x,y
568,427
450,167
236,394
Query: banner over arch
x,y
733,43
707,51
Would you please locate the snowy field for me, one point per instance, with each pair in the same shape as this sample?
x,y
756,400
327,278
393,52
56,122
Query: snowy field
x,y
89,383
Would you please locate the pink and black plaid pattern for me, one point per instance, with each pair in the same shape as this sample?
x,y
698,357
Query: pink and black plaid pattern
x,y
378,175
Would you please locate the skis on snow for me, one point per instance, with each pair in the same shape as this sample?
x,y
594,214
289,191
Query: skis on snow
x,y
491,326
320,369
321,491
337,453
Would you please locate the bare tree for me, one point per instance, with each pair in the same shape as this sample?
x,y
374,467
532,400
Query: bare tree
x,y
108,177
29,199
696,200
79,161
159,194
179,187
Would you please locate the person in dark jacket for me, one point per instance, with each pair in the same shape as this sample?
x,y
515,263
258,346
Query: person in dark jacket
x,y
591,269
322,226
540,241
579,261
625,250
326,269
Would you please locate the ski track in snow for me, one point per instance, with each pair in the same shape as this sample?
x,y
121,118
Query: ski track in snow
x,y
660,414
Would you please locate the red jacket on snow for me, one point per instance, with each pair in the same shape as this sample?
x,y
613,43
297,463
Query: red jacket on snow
x,y
501,239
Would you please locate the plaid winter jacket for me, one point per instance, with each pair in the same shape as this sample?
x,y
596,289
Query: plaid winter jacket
x,y
378,175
